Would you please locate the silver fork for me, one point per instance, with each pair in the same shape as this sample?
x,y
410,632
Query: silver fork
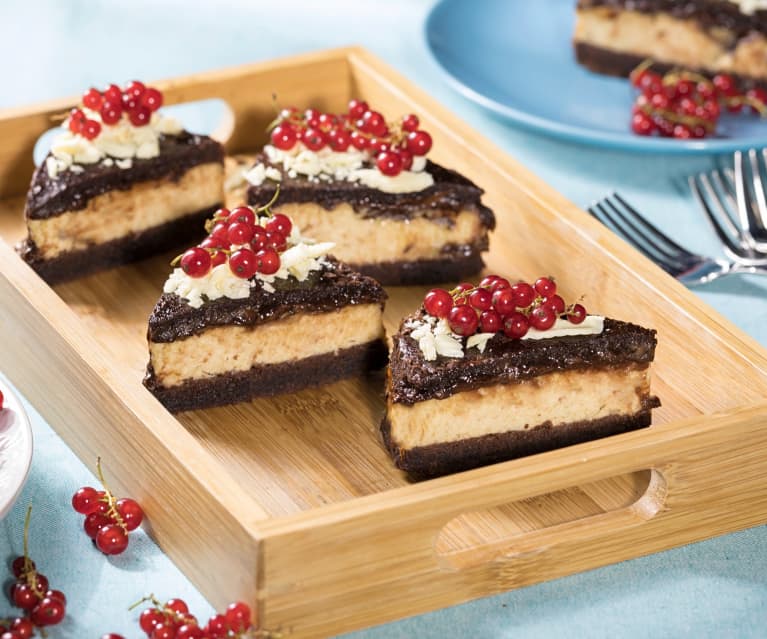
x,y
735,204
689,268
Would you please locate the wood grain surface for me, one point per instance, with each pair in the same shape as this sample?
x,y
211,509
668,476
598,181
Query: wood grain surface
x,y
292,502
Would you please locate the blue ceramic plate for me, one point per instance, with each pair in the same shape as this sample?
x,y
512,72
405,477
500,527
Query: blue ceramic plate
x,y
515,58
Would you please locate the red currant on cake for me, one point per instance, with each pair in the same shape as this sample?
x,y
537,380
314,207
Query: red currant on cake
x,y
107,520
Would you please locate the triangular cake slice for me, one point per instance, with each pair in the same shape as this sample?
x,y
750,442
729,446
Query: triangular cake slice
x,y
395,215
484,374
259,310
121,182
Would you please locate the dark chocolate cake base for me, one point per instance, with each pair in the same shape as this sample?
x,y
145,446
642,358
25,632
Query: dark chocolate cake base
x,y
179,233
269,380
434,460
620,64
448,269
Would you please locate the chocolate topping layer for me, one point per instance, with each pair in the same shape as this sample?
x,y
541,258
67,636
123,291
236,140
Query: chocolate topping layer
x,y
450,193
70,191
335,286
268,380
709,13
505,360
458,263
452,457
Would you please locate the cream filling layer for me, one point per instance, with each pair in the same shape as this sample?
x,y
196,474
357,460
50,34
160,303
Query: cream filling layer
x,y
117,213
232,349
671,40
361,240
559,398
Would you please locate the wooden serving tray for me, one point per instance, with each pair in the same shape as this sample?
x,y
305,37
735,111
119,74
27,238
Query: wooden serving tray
x,y
292,503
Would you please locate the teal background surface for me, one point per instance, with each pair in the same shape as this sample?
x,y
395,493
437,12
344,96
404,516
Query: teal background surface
x,y
48,49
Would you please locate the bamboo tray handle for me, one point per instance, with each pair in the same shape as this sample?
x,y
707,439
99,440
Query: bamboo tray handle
x,y
701,477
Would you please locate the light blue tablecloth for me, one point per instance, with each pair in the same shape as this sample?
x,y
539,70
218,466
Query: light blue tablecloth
x,y
48,48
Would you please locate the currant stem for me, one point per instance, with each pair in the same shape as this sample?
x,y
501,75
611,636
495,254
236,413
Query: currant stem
x,y
266,208
112,513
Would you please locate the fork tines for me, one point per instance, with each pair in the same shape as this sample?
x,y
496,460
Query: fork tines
x,y
615,213
735,203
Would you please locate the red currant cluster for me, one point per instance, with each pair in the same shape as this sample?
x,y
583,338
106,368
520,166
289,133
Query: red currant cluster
x,y
684,105
107,520
136,100
41,606
393,144
496,305
172,620
237,236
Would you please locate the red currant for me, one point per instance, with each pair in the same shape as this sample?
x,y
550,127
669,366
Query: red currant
x,y
463,320
488,281
705,89
357,108
239,233
149,618
284,137
189,631
268,261
164,631
111,539
725,84
238,616
93,99
135,89
504,302
545,287
524,294
111,112
23,596
410,122
650,83
418,142
217,627
389,163
499,284
515,326
56,594
85,500
339,140
91,129
576,314
556,303
642,124
195,262
438,302
48,612
95,522
23,627
280,224
276,240
481,299
682,132
19,566
151,99
542,318
463,287
131,513
112,635
177,605
260,238
10,634
243,214
243,263
372,122
490,322
113,93
313,139
139,116
685,87
406,157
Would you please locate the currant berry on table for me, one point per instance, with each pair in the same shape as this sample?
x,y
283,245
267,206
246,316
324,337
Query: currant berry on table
x,y
30,592
107,520
497,306
391,146
686,105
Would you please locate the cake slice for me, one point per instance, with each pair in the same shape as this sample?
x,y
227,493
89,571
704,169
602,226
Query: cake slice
x,y
710,36
395,215
494,372
121,182
259,310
